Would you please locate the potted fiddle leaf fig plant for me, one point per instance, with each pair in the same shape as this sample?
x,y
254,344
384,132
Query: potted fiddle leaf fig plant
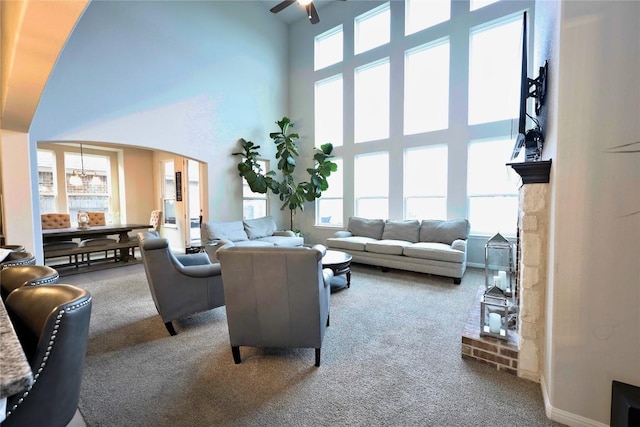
x,y
293,194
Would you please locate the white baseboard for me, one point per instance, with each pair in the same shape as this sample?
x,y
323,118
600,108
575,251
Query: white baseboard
x,y
564,417
475,265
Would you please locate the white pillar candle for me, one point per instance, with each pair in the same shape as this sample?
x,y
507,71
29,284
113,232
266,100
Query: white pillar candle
x,y
494,323
503,280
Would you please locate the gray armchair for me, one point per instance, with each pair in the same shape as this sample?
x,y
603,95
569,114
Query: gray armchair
x,y
180,284
275,297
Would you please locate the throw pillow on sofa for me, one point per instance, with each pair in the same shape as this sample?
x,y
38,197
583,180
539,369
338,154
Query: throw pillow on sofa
x,y
441,231
407,230
260,227
228,230
366,227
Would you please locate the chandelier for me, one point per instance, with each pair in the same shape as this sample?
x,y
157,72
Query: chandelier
x,y
77,177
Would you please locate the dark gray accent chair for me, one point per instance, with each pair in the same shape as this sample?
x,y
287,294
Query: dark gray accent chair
x,y
52,324
21,275
275,297
180,284
18,258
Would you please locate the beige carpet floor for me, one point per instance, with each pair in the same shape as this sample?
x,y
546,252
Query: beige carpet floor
x,y
391,357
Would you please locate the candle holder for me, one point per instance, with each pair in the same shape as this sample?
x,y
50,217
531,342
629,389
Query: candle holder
x,y
83,220
498,265
494,314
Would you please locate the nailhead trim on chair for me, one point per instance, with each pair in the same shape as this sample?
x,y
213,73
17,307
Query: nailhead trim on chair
x,y
45,281
46,356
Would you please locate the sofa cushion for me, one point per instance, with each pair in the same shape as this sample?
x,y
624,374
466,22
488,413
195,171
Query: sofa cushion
x,y
408,230
434,251
227,230
283,241
259,227
354,243
253,244
444,231
389,247
366,227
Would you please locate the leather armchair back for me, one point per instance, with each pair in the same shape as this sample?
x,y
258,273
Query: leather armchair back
x,y
275,296
21,275
179,284
52,323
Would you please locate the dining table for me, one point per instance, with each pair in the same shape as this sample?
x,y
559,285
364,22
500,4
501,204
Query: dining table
x,y
122,230
94,231
16,375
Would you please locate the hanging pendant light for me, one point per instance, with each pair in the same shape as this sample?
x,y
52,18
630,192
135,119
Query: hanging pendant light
x,y
76,177
95,180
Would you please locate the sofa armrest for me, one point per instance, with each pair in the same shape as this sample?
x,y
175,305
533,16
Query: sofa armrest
x,y
327,275
459,245
284,233
212,248
342,233
193,259
320,248
207,270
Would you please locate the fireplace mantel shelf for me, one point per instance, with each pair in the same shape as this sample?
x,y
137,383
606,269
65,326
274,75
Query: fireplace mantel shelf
x,y
533,172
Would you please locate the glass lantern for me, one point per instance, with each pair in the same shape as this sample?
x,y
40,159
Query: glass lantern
x,y
498,265
494,314
83,220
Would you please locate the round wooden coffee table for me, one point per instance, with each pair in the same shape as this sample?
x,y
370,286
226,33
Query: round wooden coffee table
x,y
340,263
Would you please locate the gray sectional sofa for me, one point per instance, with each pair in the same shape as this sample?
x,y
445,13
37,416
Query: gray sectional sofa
x,y
259,232
429,246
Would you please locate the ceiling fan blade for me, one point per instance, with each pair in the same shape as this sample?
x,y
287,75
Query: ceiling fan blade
x,y
282,5
312,13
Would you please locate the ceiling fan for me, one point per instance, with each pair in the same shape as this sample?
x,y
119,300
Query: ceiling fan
x,y
312,12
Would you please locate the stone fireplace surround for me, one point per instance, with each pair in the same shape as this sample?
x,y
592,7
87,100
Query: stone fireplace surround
x,y
521,354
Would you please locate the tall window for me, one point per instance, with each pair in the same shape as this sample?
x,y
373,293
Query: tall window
x,y
329,210
372,29
328,48
47,181
371,185
492,188
169,193
421,14
328,111
458,71
425,182
426,88
254,205
92,195
371,101
495,57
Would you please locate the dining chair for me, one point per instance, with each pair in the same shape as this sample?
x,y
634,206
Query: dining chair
x,y
97,219
155,220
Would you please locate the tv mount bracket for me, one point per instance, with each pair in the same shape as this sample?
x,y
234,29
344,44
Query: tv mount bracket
x,y
539,85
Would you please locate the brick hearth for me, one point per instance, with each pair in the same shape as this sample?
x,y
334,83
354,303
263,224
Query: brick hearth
x,y
521,354
502,355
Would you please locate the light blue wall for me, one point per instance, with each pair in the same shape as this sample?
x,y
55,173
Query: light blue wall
x,y
184,77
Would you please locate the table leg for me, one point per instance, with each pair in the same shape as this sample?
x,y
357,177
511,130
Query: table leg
x,y
124,252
